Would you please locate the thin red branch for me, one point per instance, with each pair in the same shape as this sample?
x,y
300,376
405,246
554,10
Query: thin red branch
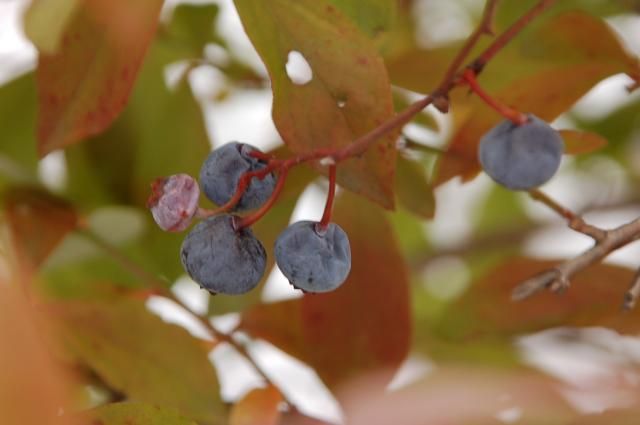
x,y
478,65
252,218
517,117
631,297
326,216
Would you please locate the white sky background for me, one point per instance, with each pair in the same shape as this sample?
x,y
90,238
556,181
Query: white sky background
x,y
246,116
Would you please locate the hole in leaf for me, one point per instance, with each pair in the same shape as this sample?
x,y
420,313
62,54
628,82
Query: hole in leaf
x,y
298,68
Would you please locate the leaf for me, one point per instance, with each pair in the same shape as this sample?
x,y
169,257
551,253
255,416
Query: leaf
x,y
592,300
46,20
33,386
137,353
131,413
83,86
413,190
375,18
18,158
192,28
544,73
258,407
38,222
362,326
348,95
581,142
459,395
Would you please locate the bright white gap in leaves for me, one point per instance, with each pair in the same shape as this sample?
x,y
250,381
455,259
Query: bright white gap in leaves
x,y
171,312
52,171
236,375
298,382
412,370
598,365
191,295
510,415
298,69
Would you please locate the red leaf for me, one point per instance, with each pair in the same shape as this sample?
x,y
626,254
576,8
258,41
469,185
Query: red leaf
x,y
258,407
38,222
362,326
580,142
348,95
594,299
85,85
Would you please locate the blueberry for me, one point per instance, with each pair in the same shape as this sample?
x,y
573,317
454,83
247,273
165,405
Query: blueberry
x,y
521,157
223,168
222,259
174,201
314,260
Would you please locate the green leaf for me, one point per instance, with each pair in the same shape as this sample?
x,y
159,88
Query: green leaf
x,y
413,190
46,20
581,142
374,17
362,326
85,85
135,352
131,413
18,157
192,28
544,73
348,95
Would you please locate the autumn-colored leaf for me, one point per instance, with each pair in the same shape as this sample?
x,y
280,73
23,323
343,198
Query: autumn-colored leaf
x,y
46,20
362,326
543,73
258,407
594,299
611,417
581,142
133,413
38,222
84,85
347,95
33,387
413,190
459,395
138,354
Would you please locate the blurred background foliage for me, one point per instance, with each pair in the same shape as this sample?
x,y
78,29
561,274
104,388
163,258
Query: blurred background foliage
x,y
424,330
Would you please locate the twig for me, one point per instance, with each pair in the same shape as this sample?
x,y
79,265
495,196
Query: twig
x,y
557,279
574,221
478,65
633,293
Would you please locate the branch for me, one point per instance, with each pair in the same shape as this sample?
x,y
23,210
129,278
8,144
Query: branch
x,y
478,65
557,279
575,222
633,293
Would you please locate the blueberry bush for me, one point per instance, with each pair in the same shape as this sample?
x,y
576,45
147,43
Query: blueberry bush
x,y
440,141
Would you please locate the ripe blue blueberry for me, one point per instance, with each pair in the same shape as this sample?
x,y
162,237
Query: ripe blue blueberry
x,y
222,259
313,259
223,168
174,201
521,157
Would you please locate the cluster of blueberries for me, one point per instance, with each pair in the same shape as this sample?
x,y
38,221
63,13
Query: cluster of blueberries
x,y
226,258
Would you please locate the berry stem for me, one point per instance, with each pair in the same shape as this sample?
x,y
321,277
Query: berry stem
x,y
517,117
252,218
326,216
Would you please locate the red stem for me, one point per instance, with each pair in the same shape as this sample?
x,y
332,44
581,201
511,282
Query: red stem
x,y
326,216
517,117
252,218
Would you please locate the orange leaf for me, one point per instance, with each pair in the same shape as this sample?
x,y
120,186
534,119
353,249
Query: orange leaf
x,y
258,407
594,299
348,93
38,222
362,326
85,85
580,142
543,73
